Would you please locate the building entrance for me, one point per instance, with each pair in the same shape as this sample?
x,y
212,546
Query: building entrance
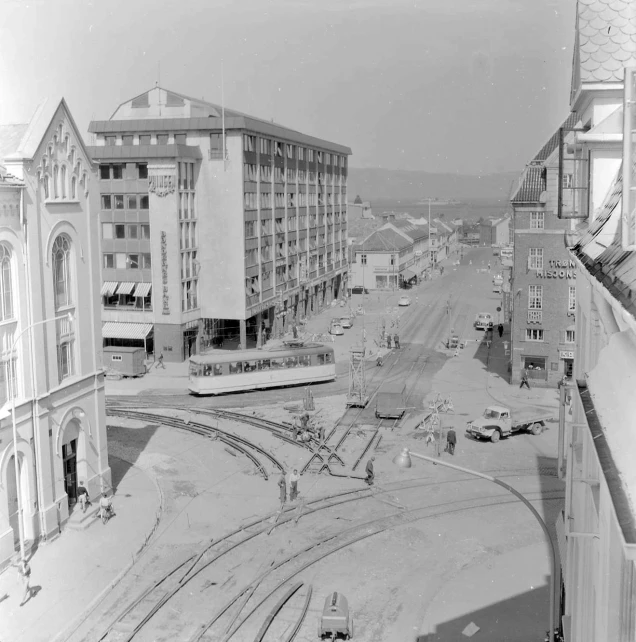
x,y
568,367
69,458
189,343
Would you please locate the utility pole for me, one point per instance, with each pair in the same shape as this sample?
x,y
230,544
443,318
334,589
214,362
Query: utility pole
x,y
448,311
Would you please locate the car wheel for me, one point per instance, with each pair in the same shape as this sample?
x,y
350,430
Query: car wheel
x,y
536,429
495,437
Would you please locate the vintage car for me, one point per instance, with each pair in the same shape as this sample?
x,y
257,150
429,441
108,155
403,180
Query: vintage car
x,y
346,322
483,321
335,327
404,300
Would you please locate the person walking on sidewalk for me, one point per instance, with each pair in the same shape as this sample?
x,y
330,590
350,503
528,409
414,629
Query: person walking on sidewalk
x,y
160,362
24,572
293,485
396,341
524,379
500,330
388,341
82,496
370,472
451,441
282,485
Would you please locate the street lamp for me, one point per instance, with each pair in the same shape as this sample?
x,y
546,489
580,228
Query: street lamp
x,y
403,460
70,317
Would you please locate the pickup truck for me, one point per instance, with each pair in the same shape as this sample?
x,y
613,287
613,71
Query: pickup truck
x,y
498,422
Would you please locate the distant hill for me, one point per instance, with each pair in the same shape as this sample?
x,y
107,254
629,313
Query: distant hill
x,y
374,184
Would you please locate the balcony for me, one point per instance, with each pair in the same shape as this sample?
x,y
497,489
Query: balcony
x,y
535,316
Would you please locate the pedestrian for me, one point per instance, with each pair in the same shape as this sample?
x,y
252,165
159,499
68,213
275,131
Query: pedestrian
x,y
160,362
369,471
82,496
430,435
24,572
282,485
388,341
524,379
321,433
295,330
451,441
396,341
293,485
500,330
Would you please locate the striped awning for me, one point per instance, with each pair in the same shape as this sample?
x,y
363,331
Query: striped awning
x,y
143,289
115,330
108,288
125,288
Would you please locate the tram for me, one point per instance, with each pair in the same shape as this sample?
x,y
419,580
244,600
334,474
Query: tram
x,y
290,364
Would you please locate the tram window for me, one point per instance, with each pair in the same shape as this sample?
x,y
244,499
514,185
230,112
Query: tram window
x,y
291,362
328,357
278,363
236,368
264,364
250,366
304,360
218,369
321,359
207,370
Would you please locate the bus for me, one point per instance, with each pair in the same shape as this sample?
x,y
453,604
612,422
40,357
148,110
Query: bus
x,y
290,364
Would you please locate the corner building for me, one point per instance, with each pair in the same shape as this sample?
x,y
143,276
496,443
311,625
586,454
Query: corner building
x,y
214,225
50,358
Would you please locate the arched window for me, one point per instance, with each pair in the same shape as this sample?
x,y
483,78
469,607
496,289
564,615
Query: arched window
x,y
46,186
73,187
63,182
6,285
56,178
62,271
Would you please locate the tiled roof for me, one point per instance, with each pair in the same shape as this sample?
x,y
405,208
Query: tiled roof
x,y
606,39
10,137
533,181
415,232
384,240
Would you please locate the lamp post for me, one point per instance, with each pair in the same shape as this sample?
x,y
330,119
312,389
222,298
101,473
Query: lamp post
x,y
68,316
403,460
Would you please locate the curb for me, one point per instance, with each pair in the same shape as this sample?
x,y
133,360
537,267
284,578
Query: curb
x,y
82,617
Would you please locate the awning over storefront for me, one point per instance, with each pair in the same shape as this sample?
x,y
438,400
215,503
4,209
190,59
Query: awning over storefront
x,y
125,288
407,274
143,289
108,288
115,330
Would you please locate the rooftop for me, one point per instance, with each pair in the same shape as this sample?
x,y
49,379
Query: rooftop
x,y
384,240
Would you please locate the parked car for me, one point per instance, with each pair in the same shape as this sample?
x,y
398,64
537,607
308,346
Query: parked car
x,y
404,300
335,327
358,289
483,321
346,322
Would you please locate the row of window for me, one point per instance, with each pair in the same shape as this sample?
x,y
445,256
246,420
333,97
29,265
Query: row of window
x,y
300,199
116,171
280,149
126,231
128,301
239,367
58,186
537,334
146,139
125,202
535,298
253,173
123,261
251,227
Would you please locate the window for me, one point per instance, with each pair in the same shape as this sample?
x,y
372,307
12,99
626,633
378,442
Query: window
x,y
104,172
107,202
250,229
180,139
569,336
143,203
8,380
132,202
265,173
572,299
249,143
120,261
133,231
535,297
142,169
146,260
109,261
251,200
144,231
392,259
535,259
265,145
162,139
6,285
61,256
301,153
537,220
74,187
290,151
249,172
568,182
127,139
119,201
132,260
65,359
363,259
111,141
107,230
120,231
56,175
144,139
118,172
533,334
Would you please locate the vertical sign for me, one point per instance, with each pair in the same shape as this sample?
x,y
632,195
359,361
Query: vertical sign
x,y
164,273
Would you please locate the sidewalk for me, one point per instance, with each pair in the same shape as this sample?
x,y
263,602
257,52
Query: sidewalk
x,y
70,573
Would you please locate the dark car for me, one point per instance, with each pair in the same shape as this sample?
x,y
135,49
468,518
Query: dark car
x,y
359,290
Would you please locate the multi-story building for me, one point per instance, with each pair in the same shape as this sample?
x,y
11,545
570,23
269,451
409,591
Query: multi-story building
x,y
543,287
50,363
214,223
494,231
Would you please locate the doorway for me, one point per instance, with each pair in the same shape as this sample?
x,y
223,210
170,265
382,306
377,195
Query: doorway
x,y
69,458
568,367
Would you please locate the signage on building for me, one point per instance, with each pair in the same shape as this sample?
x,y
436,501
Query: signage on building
x,y
566,271
566,355
164,273
161,184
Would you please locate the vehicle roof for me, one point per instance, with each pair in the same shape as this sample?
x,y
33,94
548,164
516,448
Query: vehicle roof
x,y
484,314
230,356
498,408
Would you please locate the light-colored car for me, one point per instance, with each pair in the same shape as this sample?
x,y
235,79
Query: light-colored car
x,y
346,322
335,327
404,300
483,321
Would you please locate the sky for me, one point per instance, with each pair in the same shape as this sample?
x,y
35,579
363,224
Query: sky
x,y
459,86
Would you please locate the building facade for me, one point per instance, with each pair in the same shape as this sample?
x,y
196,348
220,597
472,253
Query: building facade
x,y
494,232
543,285
50,328
214,224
